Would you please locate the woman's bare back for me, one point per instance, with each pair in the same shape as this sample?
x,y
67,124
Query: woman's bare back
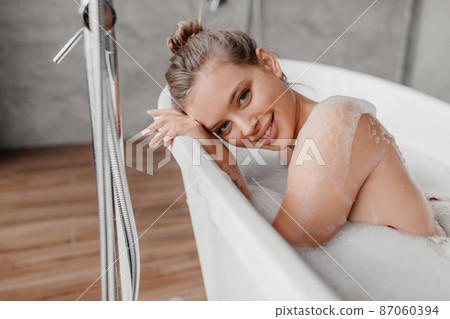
x,y
389,196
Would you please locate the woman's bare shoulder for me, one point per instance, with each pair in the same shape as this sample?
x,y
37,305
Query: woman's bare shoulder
x,y
332,124
333,118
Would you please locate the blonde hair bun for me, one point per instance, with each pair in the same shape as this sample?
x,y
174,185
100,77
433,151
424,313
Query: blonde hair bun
x,y
185,30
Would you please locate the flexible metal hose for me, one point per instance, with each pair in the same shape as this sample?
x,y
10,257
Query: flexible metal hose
x,y
123,202
108,153
122,185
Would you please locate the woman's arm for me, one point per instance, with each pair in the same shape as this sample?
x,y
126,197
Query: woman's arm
x,y
332,159
172,123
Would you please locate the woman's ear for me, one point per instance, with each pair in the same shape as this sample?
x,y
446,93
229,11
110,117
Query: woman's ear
x,y
266,59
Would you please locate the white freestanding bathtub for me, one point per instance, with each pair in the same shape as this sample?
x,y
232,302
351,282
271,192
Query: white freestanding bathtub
x,y
242,257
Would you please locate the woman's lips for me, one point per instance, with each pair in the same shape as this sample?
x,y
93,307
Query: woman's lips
x,y
273,132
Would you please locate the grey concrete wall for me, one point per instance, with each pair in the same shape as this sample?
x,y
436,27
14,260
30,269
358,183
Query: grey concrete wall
x,y
46,104
430,53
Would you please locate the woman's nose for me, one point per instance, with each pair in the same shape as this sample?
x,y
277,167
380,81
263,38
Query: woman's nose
x,y
249,126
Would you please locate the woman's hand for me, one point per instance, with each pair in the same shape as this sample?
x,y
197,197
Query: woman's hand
x,y
171,123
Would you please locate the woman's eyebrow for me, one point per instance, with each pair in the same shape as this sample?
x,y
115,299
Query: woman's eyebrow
x,y
236,88
232,96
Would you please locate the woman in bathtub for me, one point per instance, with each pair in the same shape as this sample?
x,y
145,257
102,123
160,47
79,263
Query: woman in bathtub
x,y
223,85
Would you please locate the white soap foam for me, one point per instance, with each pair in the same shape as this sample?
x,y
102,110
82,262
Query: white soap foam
x,y
382,264
266,200
387,264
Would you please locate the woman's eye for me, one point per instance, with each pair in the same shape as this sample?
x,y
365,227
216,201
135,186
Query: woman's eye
x,y
222,128
244,96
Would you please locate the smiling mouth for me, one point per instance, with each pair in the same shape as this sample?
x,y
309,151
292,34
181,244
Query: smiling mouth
x,y
268,135
267,132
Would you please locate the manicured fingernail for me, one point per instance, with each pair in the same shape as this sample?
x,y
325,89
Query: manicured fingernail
x,y
149,111
145,131
153,140
153,143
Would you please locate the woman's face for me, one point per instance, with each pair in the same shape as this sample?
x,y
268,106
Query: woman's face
x,y
245,104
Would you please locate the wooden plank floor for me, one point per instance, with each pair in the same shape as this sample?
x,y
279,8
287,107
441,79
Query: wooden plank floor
x,y
49,238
